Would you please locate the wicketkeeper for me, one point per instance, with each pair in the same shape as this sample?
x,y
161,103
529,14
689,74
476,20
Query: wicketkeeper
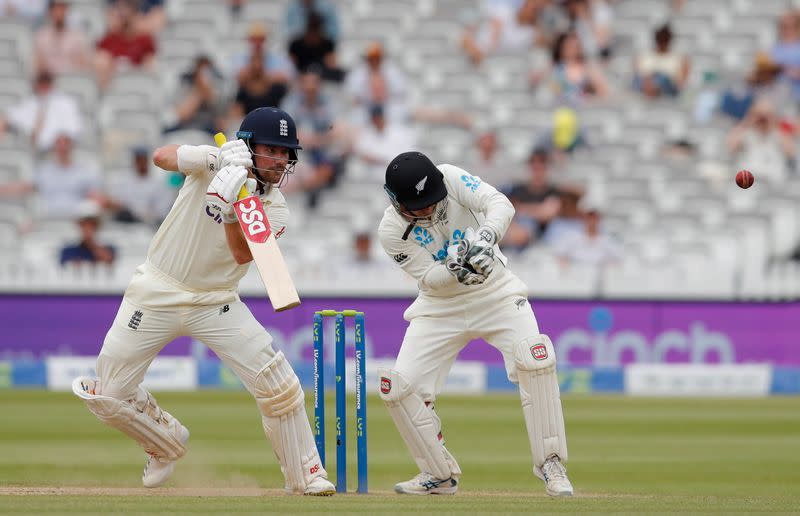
x,y
442,229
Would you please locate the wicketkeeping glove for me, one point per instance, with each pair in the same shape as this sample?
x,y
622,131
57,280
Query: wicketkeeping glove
x,y
234,152
224,191
463,272
477,249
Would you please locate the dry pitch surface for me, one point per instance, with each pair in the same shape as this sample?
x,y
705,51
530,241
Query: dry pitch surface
x,y
627,455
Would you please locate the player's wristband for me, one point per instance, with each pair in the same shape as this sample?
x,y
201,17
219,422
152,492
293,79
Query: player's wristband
x,y
194,158
230,217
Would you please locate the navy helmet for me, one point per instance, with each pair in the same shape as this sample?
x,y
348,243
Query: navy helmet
x,y
270,126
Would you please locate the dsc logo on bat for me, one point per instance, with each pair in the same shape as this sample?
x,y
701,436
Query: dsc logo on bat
x,y
252,219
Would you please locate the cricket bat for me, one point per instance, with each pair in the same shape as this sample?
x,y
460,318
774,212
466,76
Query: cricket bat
x,y
264,248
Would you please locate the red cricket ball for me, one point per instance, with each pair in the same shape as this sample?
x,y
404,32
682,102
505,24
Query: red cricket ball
x,y
745,179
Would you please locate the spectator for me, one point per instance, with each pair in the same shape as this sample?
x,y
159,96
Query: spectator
x,y
786,51
235,7
760,82
151,18
312,48
275,65
362,247
60,183
44,115
589,246
314,115
30,10
507,25
59,48
360,264
707,98
662,72
487,162
550,22
140,196
564,135
591,20
572,77
363,259
297,18
761,145
380,142
256,89
197,106
123,46
537,201
568,220
88,249
379,81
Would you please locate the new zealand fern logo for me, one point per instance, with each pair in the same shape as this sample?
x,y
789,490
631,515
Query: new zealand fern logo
x,y
422,236
471,182
421,185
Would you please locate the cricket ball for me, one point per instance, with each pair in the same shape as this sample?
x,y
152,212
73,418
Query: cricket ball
x,y
745,179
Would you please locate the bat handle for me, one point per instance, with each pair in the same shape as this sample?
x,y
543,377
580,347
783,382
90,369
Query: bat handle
x,y
220,140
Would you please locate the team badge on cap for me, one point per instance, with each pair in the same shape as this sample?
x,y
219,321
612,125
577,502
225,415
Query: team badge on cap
x,y
421,185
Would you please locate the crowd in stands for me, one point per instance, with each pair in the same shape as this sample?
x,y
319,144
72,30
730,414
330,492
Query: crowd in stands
x,y
363,114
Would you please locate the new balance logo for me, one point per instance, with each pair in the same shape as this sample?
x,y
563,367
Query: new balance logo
x,y
284,127
224,309
136,319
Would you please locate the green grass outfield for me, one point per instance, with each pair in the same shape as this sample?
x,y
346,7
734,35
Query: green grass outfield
x,y
627,455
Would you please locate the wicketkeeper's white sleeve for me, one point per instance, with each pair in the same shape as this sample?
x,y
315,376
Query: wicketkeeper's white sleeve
x,y
414,260
480,197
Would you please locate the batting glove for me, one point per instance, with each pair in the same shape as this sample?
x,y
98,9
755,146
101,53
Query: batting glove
x,y
463,272
477,249
224,191
234,152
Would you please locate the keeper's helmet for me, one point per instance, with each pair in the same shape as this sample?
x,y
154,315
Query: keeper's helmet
x,y
270,126
414,183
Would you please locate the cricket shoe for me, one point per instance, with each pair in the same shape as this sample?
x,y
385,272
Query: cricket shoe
x,y
156,470
555,478
425,483
320,486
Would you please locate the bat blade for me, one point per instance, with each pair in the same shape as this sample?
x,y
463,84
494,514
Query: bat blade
x,y
264,248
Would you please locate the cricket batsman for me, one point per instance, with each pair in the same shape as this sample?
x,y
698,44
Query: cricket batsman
x,y
188,286
442,229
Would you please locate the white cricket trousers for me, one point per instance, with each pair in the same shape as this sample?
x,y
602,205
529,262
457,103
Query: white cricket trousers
x,y
139,333
440,328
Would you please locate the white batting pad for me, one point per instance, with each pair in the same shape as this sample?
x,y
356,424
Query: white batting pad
x,y
140,418
418,425
535,358
281,401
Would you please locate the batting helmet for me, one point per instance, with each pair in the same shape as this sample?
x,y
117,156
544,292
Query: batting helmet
x,y
270,126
